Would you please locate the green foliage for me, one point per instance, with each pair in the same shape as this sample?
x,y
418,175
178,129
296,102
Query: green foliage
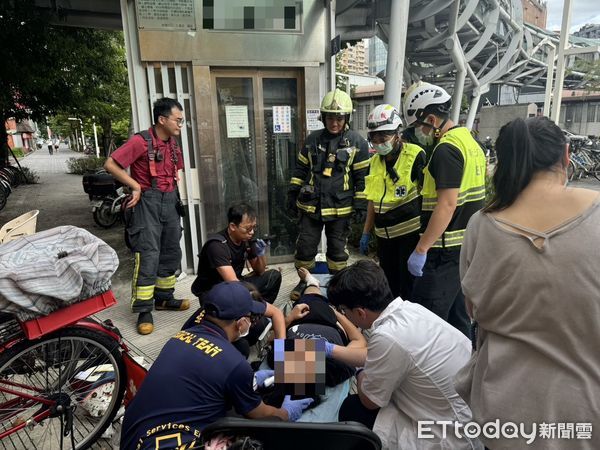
x,y
18,152
30,176
591,74
50,69
80,166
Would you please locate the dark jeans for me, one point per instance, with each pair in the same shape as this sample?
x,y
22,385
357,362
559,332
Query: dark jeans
x,y
393,259
309,236
439,288
352,410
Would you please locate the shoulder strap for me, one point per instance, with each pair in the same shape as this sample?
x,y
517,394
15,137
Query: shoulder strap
x,y
145,134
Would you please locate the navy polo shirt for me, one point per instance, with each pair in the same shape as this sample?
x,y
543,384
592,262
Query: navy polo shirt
x,y
195,380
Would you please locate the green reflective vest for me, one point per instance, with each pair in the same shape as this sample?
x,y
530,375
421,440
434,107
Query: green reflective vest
x,y
472,186
396,204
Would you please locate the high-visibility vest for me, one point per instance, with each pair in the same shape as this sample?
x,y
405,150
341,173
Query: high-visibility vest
x,y
472,186
397,204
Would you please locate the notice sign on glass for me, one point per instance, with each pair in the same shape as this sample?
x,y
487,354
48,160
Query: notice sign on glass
x,y
237,121
165,14
282,119
312,120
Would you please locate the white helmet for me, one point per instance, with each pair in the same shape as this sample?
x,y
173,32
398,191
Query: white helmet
x,y
421,95
384,118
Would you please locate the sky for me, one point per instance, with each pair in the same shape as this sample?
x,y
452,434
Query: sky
x,y
582,12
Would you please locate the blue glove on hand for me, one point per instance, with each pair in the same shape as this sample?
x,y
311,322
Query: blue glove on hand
x,y
295,408
329,349
261,375
416,261
260,247
364,243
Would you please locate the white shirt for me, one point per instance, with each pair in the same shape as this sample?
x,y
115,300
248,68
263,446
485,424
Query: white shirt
x,y
412,358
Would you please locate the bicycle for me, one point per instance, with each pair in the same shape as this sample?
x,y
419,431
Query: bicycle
x,y
583,162
63,377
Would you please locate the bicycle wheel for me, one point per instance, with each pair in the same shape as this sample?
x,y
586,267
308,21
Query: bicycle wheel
x,y
71,381
571,170
596,171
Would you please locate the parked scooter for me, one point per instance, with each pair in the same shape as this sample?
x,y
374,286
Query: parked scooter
x,y
106,197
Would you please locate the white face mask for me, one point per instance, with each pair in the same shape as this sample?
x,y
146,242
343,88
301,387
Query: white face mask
x,y
424,139
385,148
245,333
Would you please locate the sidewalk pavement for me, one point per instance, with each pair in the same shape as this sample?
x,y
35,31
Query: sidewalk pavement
x,y
60,198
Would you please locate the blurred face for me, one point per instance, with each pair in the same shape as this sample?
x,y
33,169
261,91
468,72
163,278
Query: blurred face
x,y
244,231
335,123
172,123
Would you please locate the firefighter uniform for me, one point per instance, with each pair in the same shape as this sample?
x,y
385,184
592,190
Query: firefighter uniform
x,y
328,185
397,204
153,228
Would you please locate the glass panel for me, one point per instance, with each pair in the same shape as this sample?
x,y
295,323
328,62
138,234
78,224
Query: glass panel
x,y
281,149
238,143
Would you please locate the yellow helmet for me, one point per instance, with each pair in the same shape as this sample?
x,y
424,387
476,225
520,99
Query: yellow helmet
x,y
337,102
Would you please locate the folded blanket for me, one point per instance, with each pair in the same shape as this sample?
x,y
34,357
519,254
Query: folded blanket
x,y
52,269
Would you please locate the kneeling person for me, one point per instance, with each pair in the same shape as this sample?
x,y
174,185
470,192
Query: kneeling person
x,y
409,364
224,256
199,376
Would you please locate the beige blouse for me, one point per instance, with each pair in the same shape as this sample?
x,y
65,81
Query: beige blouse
x,y
538,310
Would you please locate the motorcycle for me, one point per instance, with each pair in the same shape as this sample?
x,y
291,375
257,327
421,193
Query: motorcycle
x,y
106,197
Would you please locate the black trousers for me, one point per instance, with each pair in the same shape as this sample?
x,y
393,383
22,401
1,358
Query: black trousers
x,y
268,284
154,231
393,259
352,410
309,236
439,288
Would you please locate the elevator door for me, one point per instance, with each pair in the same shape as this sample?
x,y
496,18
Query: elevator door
x,y
260,127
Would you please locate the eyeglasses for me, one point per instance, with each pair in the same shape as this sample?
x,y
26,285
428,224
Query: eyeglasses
x,y
248,230
180,122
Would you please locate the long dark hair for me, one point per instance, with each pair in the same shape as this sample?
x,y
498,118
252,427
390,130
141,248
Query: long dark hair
x,y
524,147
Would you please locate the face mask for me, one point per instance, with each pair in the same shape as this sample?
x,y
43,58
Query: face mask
x,y
385,148
424,139
245,333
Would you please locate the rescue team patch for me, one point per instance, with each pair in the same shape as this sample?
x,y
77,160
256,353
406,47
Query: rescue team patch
x,y
174,440
400,191
202,344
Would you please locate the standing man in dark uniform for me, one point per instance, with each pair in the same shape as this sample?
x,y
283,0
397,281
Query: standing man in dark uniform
x,y
453,190
154,228
327,186
224,256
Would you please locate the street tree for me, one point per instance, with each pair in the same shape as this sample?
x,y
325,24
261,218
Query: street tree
x,y
49,69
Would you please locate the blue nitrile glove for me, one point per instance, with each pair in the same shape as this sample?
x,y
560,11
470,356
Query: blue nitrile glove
x,y
416,261
329,349
261,375
295,408
364,243
260,247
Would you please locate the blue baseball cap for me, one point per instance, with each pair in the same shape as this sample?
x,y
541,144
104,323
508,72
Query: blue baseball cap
x,y
232,300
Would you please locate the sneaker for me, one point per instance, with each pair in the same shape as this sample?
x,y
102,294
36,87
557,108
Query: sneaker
x,y
145,323
297,291
173,304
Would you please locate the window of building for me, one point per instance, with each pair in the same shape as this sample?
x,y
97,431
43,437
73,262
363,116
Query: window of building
x,y
253,15
593,114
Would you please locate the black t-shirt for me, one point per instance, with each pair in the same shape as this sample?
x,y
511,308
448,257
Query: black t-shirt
x,y
218,251
321,323
195,380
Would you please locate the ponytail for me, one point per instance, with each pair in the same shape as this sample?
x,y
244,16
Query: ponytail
x,y
523,148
